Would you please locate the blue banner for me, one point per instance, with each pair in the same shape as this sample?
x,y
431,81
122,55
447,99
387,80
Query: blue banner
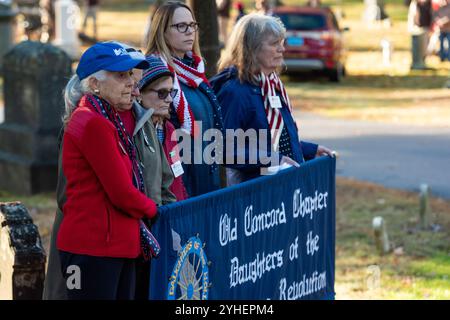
x,y
269,238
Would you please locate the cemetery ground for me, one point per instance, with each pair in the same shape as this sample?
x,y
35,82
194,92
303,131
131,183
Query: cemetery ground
x,y
418,267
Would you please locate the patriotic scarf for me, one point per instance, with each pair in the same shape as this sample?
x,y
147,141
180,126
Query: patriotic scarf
x,y
195,77
191,76
270,85
149,245
102,107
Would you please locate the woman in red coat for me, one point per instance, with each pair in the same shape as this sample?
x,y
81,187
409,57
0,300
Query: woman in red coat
x,y
99,237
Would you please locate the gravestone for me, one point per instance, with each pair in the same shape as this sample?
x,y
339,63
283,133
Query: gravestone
x,y
66,34
381,235
22,257
418,51
7,27
424,211
35,75
371,11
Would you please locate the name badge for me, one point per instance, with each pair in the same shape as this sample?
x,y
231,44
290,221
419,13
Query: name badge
x,y
275,102
177,169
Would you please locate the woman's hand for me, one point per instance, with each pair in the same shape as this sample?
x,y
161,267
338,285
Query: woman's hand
x,y
324,151
289,161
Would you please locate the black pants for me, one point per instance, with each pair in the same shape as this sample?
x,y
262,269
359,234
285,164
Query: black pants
x,y
142,279
98,278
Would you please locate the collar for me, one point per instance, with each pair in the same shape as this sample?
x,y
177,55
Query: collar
x,y
142,116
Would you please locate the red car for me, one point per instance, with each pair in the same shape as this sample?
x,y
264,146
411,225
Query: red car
x,y
313,41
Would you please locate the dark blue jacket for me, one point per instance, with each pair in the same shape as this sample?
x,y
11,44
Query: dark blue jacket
x,y
200,178
243,107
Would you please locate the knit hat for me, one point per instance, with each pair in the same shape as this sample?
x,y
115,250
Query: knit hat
x,y
156,70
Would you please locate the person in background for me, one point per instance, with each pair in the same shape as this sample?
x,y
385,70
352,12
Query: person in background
x,y
241,11
314,3
433,47
91,13
442,21
223,12
174,38
157,92
48,20
264,7
254,97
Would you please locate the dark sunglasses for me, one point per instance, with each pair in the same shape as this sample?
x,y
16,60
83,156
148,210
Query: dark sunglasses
x,y
163,93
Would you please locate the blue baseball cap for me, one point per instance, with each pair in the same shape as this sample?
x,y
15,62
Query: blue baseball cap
x,y
109,56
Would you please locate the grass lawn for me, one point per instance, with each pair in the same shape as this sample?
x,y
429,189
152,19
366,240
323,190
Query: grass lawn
x,y
418,267
419,270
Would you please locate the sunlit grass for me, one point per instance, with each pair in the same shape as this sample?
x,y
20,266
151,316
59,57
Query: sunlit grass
x,y
419,269
127,27
373,92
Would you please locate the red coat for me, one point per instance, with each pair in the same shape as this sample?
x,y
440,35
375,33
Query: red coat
x,y
103,208
177,186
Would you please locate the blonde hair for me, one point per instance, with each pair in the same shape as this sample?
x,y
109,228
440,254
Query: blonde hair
x,y
245,42
161,21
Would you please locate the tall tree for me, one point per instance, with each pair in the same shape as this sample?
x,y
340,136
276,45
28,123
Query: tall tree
x,y
205,12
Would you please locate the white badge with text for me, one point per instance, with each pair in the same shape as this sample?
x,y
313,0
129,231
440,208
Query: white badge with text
x,y
177,169
275,102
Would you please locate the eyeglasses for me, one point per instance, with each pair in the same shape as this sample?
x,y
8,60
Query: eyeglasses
x,y
163,93
183,26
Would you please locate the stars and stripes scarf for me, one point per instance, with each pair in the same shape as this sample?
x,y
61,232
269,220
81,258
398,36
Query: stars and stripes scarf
x,y
191,76
270,85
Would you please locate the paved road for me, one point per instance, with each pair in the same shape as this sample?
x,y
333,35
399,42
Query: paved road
x,y
396,156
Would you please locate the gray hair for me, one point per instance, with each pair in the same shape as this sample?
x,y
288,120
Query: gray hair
x,y
76,89
245,42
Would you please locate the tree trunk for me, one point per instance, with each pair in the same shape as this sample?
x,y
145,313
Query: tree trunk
x,y
205,12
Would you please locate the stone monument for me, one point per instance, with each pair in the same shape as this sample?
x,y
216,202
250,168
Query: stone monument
x,y
22,257
66,34
35,75
7,27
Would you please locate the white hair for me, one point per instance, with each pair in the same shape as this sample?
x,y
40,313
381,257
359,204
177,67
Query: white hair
x,y
245,42
76,89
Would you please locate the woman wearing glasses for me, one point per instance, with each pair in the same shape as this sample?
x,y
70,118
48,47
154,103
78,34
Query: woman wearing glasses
x,y
157,92
101,178
156,173
173,37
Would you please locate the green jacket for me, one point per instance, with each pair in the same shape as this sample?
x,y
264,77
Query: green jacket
x,y
158,176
